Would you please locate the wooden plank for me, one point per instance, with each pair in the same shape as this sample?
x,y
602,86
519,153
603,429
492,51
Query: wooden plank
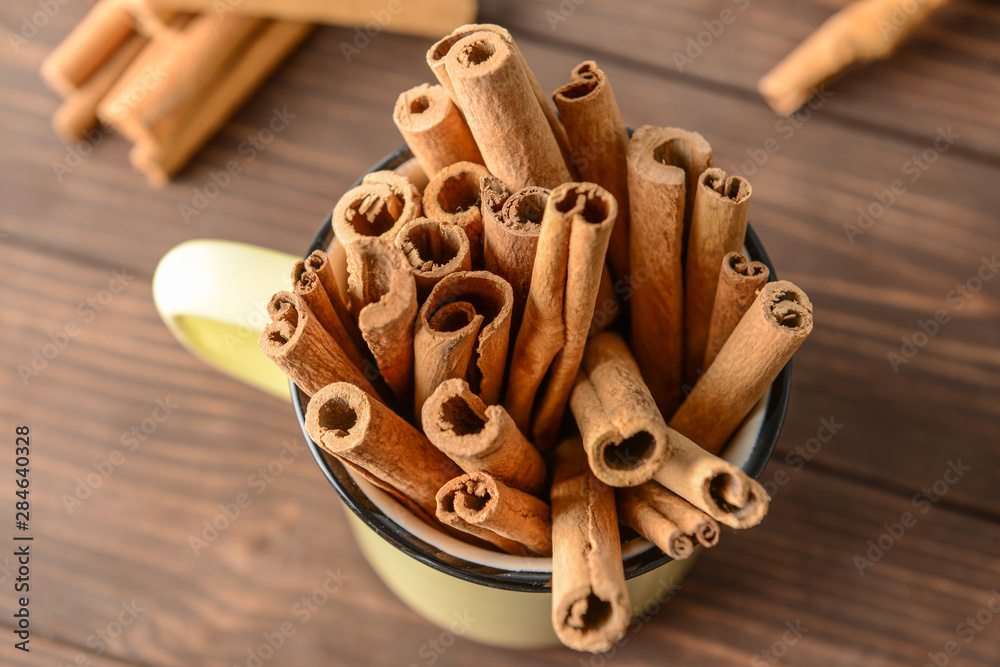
x,y
912,94
130,539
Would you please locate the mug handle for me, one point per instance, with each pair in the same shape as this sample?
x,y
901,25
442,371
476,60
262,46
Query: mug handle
x,y
213,296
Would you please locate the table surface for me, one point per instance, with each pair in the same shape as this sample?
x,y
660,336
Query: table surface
x,y
926,118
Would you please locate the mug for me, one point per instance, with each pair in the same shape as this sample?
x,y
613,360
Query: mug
x,y
212,295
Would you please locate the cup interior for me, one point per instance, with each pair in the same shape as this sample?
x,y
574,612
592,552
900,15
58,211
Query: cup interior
x,y
750,449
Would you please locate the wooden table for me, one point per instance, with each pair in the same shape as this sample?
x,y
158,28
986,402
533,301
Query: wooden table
x,y
861,441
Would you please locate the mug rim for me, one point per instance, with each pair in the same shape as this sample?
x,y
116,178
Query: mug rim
x,y
522,581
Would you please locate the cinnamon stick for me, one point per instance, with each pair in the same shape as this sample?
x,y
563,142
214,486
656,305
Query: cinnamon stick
x,y
452,196
179,135
775,325
713,485
492,89
93,41
590,603
380,206
855,34
78,112
739,281
599,139
434,129
511,225
322,264
349,424
666,519
576,227
481,438
301,347
436,61
462,331
186,62
308,285
718,226
623,432
662,162
384,296
433,249
482,505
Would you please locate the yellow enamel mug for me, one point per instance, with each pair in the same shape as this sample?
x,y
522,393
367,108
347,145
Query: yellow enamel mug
x,y
212,295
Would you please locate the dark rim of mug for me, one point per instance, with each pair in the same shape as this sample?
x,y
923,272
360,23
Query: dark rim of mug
x,y
428,554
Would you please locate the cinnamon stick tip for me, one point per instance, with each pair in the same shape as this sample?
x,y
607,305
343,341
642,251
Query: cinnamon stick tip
x,y
787,308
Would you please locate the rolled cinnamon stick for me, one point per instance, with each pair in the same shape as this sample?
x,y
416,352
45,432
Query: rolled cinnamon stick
x,y
739,281
301,347
433,249
493,91
307,284
713,485
643,518
599,140
384,296
481,438
452,196
856,34
661,162
93,41
718,226
482,505
623,432
187,63
775,325
462,331
590,603
380,206
436,61
322,264
349,424
78,112
511,229
434,129
576,227
180,134
659,514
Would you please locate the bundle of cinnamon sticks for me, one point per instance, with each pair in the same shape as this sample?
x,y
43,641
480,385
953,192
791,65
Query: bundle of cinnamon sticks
x,y
168,74
466,363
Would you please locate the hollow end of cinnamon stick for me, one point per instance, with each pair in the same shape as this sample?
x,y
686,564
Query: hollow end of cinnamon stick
x,y
453,196
738,503
434,249
434,129
380,206
787,309
481,438
465,498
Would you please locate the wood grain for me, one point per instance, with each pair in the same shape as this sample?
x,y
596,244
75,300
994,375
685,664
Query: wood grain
x,y
60,240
